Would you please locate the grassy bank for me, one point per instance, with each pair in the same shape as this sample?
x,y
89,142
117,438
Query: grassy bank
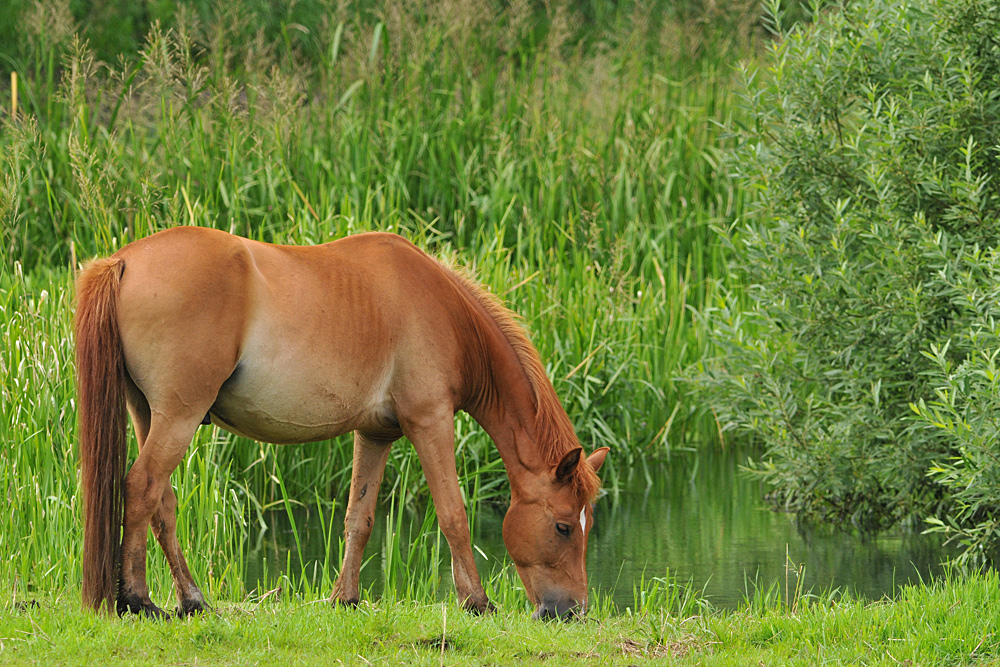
x,y
945,623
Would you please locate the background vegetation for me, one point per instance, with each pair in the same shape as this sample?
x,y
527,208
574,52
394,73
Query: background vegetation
x,y
572,155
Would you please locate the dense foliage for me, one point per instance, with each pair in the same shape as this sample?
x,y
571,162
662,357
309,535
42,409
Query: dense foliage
x,y
869,283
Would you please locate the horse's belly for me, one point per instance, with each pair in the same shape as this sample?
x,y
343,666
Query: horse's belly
x,y
284,410
268,424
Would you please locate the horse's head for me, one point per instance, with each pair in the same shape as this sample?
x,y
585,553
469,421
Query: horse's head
x,y
546,531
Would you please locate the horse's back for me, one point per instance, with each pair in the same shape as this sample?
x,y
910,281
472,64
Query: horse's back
x,y
293,343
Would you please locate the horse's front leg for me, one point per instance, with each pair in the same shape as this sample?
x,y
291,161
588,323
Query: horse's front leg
x,y
370,456
434,439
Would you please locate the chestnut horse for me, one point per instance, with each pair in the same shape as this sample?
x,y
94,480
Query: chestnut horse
x,y
291,344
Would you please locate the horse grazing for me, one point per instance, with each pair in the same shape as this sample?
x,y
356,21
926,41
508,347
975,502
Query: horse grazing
x,y
290,344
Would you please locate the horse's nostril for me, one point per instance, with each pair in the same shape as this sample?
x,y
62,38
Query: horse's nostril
x,y
565,610
542,613
569,612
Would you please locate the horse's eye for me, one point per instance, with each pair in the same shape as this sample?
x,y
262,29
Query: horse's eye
x,y
562,529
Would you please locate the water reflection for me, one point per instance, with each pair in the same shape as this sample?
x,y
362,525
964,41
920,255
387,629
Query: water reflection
x,y
707,523
700,518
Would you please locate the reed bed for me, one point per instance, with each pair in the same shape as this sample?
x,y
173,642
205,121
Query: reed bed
x,y
573,162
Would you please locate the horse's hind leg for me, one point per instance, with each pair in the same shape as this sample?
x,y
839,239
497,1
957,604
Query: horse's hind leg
x,y
366,475
189,597
146,486
164,522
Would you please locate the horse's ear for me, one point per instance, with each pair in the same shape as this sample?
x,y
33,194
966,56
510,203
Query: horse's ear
x,y
596,458
568,464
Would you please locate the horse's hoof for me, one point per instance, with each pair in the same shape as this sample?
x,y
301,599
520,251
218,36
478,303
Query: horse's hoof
x,y
191,607
155,613
350,603
479,608
133,604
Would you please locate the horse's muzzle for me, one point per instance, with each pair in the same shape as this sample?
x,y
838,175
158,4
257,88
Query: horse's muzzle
x,y
564,610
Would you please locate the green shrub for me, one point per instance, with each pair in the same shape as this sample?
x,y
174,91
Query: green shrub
x,y
872,146
965,409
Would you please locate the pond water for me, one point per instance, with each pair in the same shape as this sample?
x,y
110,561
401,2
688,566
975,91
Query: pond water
x,y
700,518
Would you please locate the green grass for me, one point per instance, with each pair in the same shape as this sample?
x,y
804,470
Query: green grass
x,y
949,622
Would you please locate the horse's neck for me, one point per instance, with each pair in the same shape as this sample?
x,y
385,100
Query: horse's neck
x,y
505,405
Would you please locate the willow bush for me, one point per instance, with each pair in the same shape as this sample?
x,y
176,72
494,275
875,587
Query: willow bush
x,y
872,142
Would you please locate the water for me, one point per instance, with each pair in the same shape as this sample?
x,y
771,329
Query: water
x,y
700,518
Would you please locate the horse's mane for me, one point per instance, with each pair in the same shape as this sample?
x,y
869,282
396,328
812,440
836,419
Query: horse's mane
x,y
553,429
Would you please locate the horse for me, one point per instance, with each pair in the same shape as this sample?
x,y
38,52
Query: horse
x,y
294,344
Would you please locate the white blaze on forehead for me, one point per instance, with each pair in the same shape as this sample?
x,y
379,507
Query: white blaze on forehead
x,y
583,519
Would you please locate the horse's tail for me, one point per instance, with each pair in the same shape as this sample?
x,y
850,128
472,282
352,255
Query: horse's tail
x,y
100,369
